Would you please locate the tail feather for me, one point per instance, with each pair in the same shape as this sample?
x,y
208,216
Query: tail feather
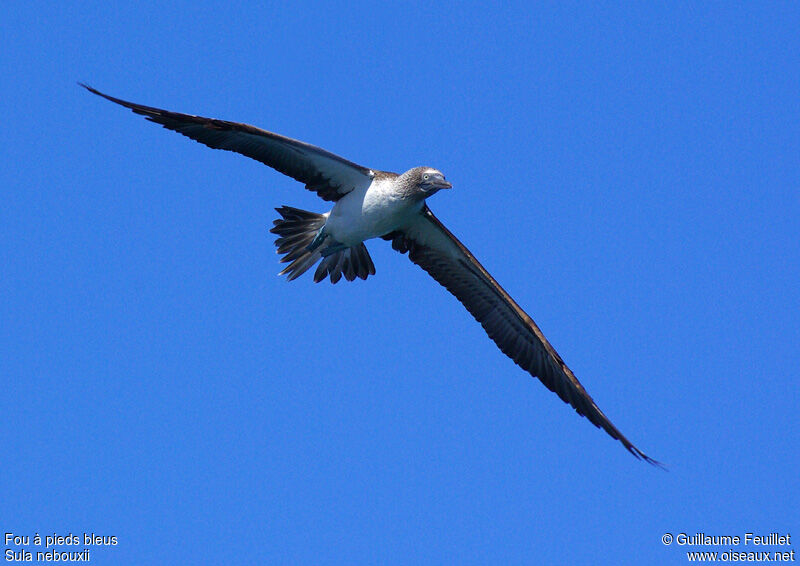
x,y
296,230
364,265
289,242
300,265
350,262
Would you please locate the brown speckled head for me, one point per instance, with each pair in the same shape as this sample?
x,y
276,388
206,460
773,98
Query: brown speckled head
x,y
421,182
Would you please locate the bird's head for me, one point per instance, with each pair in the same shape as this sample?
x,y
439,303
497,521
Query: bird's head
x,y
422,182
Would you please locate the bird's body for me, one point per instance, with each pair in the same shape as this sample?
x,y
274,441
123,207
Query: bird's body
x,y
368,204
370,213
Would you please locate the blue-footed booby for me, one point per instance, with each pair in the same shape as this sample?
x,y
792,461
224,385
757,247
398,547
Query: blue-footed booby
x,y
368,204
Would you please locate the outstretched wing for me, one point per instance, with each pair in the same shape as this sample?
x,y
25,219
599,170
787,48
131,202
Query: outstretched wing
x,y
329,175
431,246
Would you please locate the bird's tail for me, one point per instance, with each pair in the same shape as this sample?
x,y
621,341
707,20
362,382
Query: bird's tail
x,y
297,230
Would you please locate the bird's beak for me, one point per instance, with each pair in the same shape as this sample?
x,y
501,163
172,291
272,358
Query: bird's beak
x,y
436,185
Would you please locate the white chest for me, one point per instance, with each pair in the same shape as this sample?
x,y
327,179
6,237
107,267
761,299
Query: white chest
x,y
369,213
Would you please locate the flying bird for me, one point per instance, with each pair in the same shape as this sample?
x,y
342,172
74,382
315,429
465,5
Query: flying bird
x,y
367,204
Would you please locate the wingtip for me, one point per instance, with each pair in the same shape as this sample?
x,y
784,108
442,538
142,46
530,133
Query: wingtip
x,y
137,108
89,88
98,93
653,462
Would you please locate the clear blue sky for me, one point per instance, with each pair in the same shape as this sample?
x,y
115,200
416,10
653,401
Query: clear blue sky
x,y
630,175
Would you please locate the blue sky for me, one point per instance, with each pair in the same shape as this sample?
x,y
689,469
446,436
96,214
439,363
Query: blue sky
x,y
630,174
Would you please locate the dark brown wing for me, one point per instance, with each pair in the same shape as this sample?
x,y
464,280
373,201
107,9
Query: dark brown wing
x,y
329,175
431,246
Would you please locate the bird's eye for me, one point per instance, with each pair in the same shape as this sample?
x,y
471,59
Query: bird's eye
x,y
425,177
